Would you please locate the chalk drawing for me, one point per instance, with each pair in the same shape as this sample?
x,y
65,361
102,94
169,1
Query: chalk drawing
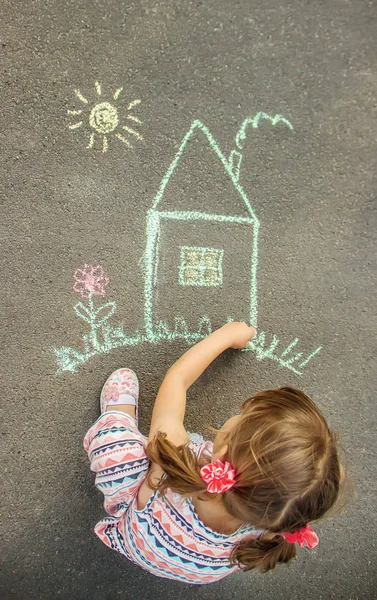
x,y
199,266
89,282
105,118
157,217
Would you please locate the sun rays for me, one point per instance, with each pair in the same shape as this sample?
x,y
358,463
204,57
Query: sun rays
x,y
105,119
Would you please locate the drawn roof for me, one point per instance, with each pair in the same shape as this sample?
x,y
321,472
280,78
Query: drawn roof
x,y
200,179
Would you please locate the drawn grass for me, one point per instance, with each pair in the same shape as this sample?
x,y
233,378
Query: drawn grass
x,y
287,358
69,359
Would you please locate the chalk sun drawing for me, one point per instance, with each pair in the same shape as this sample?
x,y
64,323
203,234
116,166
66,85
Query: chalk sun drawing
x,y
189,267
106,119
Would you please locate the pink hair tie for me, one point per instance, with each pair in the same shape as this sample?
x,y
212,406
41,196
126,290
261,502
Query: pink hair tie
x,y
219,476
302,536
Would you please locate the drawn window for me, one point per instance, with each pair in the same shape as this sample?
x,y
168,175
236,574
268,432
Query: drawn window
x,y
201,266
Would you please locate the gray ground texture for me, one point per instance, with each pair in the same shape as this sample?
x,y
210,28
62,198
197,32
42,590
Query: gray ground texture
x,y
313,189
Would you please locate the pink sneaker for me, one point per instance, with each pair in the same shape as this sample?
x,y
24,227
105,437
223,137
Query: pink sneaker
x,y
122,387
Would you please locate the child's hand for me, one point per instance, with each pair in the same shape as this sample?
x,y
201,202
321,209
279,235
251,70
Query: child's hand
x,y
240,334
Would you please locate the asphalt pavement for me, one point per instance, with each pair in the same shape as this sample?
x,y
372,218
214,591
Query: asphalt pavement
x,y
166,166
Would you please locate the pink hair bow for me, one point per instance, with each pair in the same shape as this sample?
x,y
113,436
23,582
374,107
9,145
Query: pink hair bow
x,y
218,476
302,536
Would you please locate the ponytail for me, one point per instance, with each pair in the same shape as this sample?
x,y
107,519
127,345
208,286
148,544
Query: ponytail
x,y
262,553
180,465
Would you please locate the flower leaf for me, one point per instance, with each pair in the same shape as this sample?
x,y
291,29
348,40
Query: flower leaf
x,y
105,311
83,311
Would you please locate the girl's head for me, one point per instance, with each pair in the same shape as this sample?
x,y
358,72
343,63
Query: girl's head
x,y
287,468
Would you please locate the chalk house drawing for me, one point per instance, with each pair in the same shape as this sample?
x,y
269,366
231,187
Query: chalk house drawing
x,y
186,272
106,119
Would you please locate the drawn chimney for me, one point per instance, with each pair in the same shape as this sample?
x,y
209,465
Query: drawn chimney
x,y
235,159
235,156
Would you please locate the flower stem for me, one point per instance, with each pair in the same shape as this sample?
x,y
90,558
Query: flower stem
x,y
93,332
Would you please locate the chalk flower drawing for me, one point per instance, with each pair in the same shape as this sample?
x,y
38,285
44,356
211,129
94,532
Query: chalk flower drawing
x,y
106,118
90,281
194,272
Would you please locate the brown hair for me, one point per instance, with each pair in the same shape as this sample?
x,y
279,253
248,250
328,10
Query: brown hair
x,y
288,472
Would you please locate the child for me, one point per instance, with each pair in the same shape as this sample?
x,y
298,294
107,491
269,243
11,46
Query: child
x,y
196,512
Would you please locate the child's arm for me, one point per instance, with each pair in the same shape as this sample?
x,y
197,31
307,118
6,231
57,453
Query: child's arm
x,y
170,405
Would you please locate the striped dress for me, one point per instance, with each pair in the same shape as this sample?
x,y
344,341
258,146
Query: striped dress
x,y
167,538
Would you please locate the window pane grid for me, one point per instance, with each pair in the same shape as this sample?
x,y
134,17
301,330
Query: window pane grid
x,y
200,266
